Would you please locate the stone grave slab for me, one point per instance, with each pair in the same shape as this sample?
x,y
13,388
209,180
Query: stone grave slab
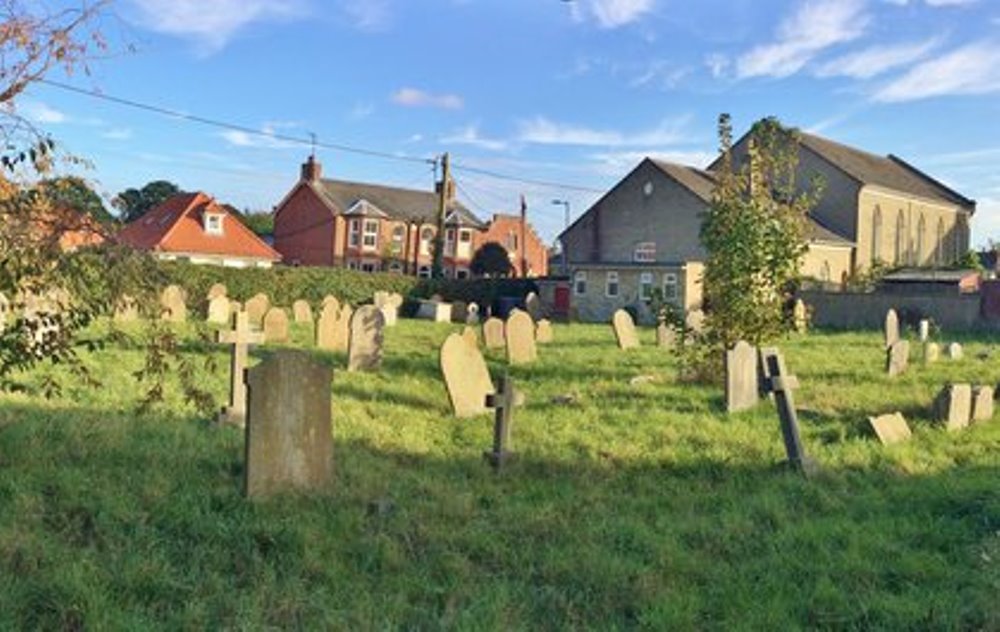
x,y
543,332
459,311
924,330
219,310
276,325
742,385
891,428
953,406
800,316
173,305
519,332
624,328
897,358
472,314
891,328
932,352
256,308
302,312
982,403
466,376
695,321
364,350
666,338
493,335
217,289
435,311
126,310
955,351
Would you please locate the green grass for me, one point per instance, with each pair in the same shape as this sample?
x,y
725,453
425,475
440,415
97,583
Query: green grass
x,y
634,507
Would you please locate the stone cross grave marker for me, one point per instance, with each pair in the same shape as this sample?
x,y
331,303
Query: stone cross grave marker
x,y
533,305
289,433
276,325
800,316
891,328
925,330
932,351
742,387
219,310
782,384
174,309
217,289
470,336
519,331
624,328
982,403
364,350
240,337
891,428
472,314
466,376
665,336
302,312
256,308
897,357
955,351
953,406
493,337
543,332
503,402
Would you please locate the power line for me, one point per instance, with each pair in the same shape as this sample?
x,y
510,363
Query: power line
x,y
469,197
542,183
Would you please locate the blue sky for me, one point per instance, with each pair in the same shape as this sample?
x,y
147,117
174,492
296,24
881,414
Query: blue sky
x,y
568,92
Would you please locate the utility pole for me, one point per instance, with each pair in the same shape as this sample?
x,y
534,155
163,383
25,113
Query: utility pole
x,y
562,243
524,241
437,266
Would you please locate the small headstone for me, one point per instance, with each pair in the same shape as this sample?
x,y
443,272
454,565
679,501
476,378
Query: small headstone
x,y
256,308
389,304
173,307
891,328
364,351
932,351
470,336
240,337
982,403
533,305
503,402
800,316
302,312
472,314
333,327
953,406
217,289
543,332
695,321
925,330
465,376
276,325
219,310
897,357
665,336
289,442
126,310
493,337
890,428
955,351
329,299
624,328
459,311
519,331
742,387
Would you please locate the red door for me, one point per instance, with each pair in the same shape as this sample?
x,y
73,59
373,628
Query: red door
x,y
561,307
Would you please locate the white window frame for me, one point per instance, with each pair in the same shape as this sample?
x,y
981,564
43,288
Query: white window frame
x,y
369,238
354,231
395,267
580,283
426,239
424,272
449,242
213,223
645,286
670,287
612,280
369,266
645,252
352,265
465,236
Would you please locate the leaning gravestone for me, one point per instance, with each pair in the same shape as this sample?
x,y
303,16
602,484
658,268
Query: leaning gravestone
x,y
543,332
897,357
219,310
289,442
256,308
925,330
174,309
493,337
276,325
665,336
302,312
780,384
891,328
533,305
932,351
955,351
890,428
519,331
240,337
953,406
982,403
742,386
465,376
800,316
364,351
217,289
624,328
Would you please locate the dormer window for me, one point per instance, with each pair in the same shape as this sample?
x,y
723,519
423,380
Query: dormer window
x,y
213,223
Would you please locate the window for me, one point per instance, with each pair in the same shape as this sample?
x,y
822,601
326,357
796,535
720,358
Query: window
x,y
512,241
824,272
920,248
449,242
876,235
424,272
213,223
465,236
611,284
355,233
580,283
645,252
961,236
395,267
398,233
939,243
646,286
461,273
352,265
369,267
670,287
370,241
900,252
426,237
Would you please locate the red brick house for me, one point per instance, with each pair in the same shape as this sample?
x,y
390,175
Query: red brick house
x,y
376,228
194,227
506,231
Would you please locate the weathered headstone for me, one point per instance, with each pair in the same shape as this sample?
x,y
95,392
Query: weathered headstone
x,y
289,442
800,316
891,428
665,336
925,330
955,351
742,387
897,358
932,351
126,310
781,384
459,311
364,351
302,312
624,326
695,321
465,376
472,314
217,289
493,337
982,403
329,299
533,305
503,402
276,325
389,303
333,327
891,328
543,332
240,337
256,308
470,335
953,406
173,307
219,310
519,332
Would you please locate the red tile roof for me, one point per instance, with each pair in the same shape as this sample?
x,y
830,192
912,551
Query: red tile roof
x,y
176,225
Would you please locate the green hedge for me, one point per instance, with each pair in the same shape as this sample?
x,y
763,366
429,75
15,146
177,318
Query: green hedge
x,y
482,291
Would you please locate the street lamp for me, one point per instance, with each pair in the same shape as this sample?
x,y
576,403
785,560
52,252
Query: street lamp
x,y
562,243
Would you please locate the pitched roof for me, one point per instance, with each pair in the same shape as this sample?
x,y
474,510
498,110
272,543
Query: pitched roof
x,y
176,225
816,232
397,203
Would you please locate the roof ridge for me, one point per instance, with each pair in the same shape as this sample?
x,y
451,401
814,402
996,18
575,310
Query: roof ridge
x,y
931,179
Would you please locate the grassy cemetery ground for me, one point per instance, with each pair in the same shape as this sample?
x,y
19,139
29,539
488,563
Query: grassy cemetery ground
x,y
632,506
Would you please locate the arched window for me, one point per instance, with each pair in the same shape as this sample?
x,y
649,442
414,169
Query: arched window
x,y
920,248
939,243
426,237
824,272
961,230
900,254
876,235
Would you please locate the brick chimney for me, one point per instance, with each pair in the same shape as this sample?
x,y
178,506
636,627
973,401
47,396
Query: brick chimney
x,y
311,170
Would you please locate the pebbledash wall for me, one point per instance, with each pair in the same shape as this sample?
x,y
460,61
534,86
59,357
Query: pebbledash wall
x,y
851,310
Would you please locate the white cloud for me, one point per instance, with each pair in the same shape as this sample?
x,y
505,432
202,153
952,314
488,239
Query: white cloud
x,y
617,163
870,62
986,221
614,13
264,140
414,97
212,23
814,27
718,64
361,111
543,131
117,133
469,135
41,113
661,74
368,15
971,69
949,3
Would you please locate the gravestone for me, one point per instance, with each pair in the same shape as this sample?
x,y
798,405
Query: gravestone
x,y
533,305
891,428
781,385
219,310
389,304
624,328
665,336
217,289
955,351
173,307
695,321
256,308
891,328
126,310
472,314
493,336
982,403
466,376
302,312
897,357
742,386
333,327
434,310
470,336
543,332
459,311
240,337
503,402
953,406
289,432
329,299
364,351
519,332
800,316
276,325
925,330
932,351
